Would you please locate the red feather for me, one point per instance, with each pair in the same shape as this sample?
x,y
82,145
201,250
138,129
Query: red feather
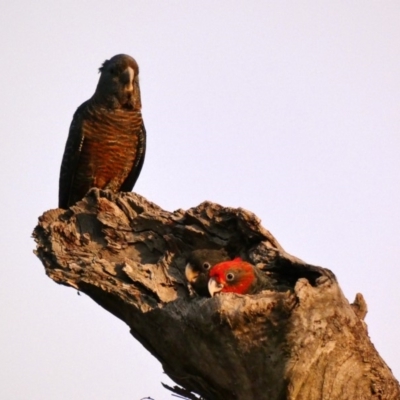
x,y
237,276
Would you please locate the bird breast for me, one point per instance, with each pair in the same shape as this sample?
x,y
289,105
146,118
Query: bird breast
x,y
111,139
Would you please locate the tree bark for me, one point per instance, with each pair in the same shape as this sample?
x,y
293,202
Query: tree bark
x,y
129,256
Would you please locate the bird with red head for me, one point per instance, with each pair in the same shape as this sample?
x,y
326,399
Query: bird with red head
x,y
237,276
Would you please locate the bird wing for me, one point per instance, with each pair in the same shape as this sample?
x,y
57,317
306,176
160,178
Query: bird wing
x,y
72,152
131,179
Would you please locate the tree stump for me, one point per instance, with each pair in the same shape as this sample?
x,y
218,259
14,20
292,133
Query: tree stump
x,y
129,256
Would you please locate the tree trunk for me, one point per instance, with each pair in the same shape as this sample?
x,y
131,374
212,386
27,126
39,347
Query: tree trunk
x,y
129,256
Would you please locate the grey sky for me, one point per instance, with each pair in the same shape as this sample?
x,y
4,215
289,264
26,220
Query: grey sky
x,y
288,109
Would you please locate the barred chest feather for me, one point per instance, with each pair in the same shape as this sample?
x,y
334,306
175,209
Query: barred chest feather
x,y
111,141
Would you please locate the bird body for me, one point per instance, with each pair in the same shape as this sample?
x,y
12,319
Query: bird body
x,y
237,276
107,139
198,267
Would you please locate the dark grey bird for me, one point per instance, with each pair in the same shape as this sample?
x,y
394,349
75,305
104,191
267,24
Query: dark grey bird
x,y
107,140
198,267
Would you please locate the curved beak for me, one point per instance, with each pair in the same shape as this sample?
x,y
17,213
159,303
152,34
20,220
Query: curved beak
x,y
190,273
127,79
214,287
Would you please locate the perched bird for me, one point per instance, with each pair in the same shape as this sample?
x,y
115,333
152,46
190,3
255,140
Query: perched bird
x,y
198,266
107,139
237,276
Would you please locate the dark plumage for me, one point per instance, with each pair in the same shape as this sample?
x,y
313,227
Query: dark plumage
x,y
107,139
198,266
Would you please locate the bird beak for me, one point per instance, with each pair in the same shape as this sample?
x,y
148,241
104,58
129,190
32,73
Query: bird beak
x,y
190,273
214,287
127,79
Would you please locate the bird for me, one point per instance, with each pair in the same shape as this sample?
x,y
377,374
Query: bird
x,y
237,276
198,266
106,143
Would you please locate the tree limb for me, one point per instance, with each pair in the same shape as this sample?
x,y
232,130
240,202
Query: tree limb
x,y
129,256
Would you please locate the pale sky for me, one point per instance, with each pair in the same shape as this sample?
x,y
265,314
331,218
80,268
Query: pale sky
x,y
289,109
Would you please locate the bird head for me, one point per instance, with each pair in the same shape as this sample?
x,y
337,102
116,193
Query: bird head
x,y
235,276
118,85
198,266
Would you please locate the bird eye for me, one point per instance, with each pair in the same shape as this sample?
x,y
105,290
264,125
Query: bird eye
x,y
206,266
112,71
230,276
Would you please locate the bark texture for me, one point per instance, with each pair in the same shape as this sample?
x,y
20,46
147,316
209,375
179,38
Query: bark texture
x,y
305,342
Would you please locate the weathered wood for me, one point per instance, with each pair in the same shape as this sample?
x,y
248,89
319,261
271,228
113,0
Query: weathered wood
x,y
129,255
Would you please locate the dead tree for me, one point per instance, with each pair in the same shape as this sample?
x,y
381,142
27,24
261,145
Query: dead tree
x,y
129,256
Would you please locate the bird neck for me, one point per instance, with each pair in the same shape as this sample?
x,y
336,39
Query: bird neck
x,y
128,101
